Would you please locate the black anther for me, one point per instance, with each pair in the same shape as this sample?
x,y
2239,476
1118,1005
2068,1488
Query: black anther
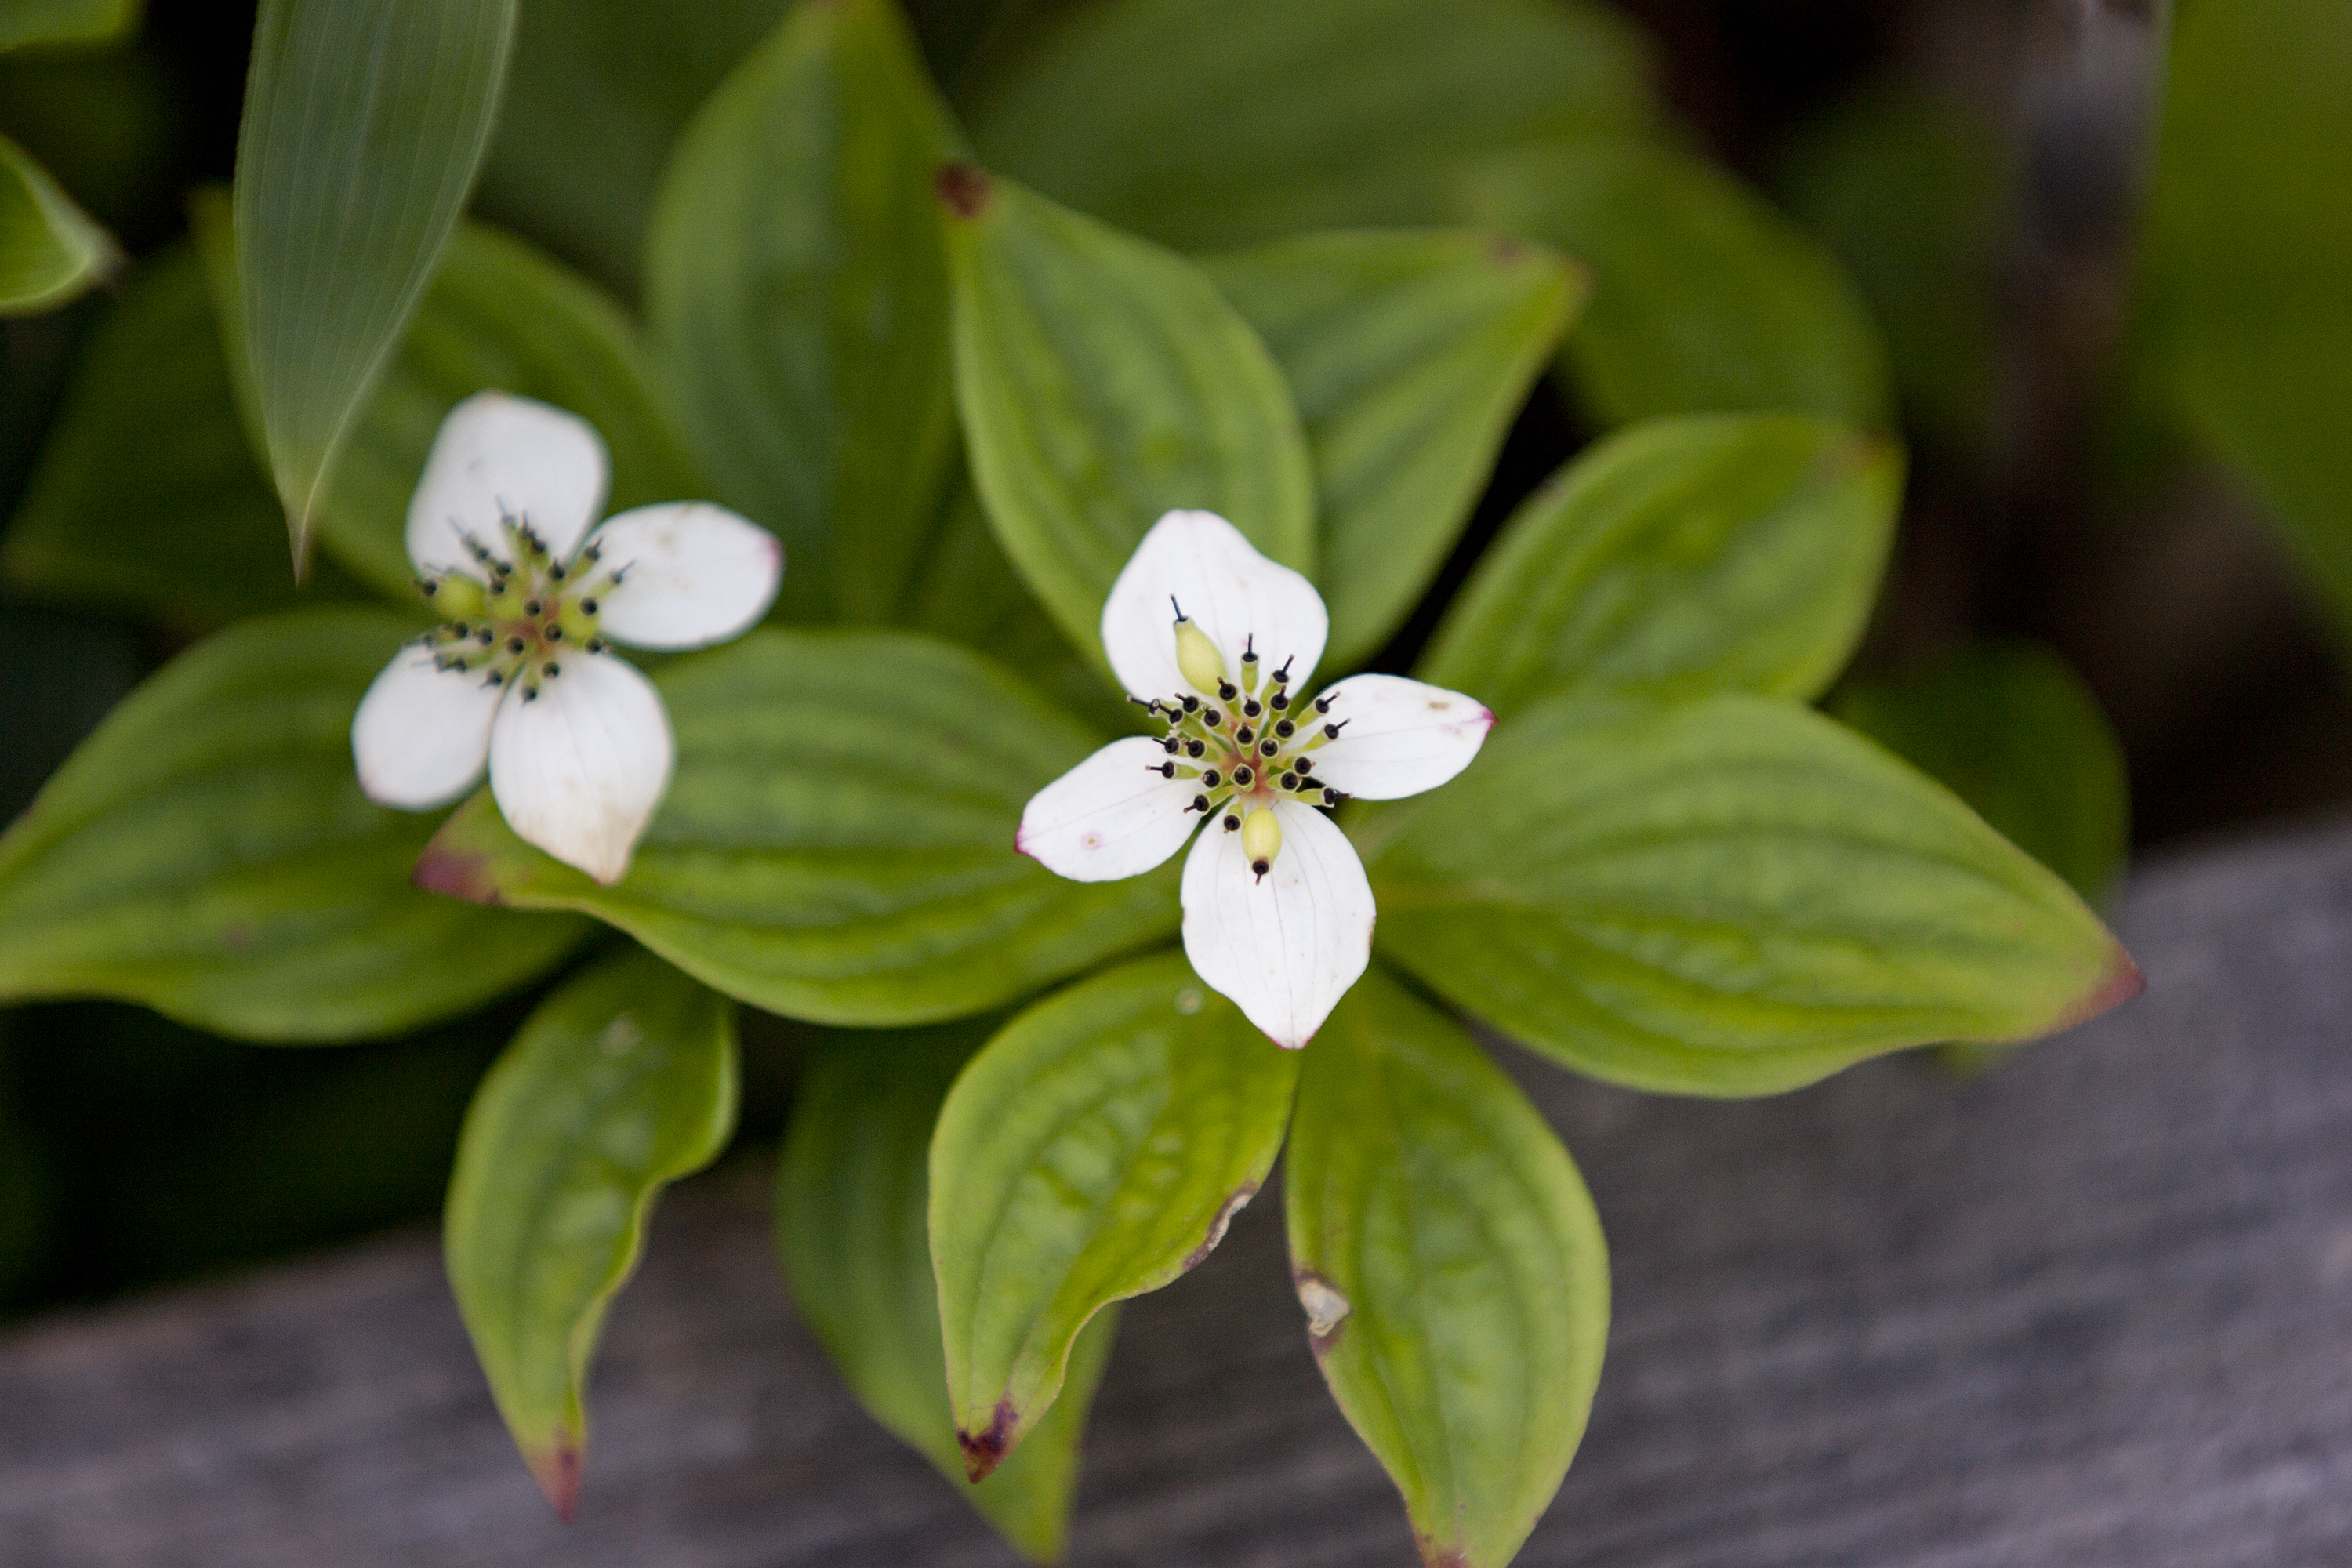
x,y
1243,776
1171,746
554,670
1331,732
1200,803
514,645
555,633
427,588
530,606
1331,795
1252,708
1213,718
1268,746
1245,734
1166,770
1285,728
1233,823
1284,673
1280,699
1209,777
530,694
495,680
1192,703
1322,705
1194,748
1261,867
595,644
587,606
484,637
1228,690
1290,781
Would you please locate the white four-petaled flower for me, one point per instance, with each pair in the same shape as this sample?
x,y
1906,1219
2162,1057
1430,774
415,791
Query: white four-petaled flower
x,y
521,676
1219,642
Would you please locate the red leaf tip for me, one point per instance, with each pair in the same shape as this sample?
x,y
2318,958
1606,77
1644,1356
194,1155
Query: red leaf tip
x,y
455,874
963,189
556,1469
983,1451
2121,981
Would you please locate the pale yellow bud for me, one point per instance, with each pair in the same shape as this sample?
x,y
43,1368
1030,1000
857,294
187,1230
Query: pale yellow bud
x,y
1261,839
1198,658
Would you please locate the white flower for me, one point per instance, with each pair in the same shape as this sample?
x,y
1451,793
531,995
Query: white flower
x,y
1219,641
520,677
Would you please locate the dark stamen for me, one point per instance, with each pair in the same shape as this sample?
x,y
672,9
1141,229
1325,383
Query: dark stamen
x,y
1245,734
1192,703
1228,690
554,634
1281,700
1290,781
1331,732
1171,746
1233,823
1209,777
484,637
1252,708
514,645
1200,803
553,670
1194,748
1331,795
1213,718
588,606
530,606
1242,777
1165,770
1284,673
1322,705
1268,747
1261,867
1285,728
1175,606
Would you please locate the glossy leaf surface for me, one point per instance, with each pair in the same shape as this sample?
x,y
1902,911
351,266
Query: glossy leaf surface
x,y
1730,553
620,1083
1705,299
1452,1268
1102,382
1093,1150
1207,124
145,495
51,250
1727,896
853,1226
1409,354
499,314
799,301
365,122
208,853
837,840
2011,730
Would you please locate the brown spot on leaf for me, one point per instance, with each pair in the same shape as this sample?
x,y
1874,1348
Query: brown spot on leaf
x,y
455,874
983,1451
556,1467
963,189
1233,1206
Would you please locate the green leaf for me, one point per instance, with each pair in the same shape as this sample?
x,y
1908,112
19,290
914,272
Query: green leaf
x,y
51,250
1705,299
852,1226
1727,896
1451,1268
596,96
799,301
499,314
1093,1150
1409,354
620,1083
1210,123
208,853
966,591
2249,314
364,120
66,21
146,494
836,842
1102,382
2011,730
1727,553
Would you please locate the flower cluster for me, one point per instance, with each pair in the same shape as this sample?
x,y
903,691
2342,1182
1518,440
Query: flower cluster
x,y
1218,641
521,677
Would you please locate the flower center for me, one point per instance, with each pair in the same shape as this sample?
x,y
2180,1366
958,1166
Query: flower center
x,y
1248,742
533,612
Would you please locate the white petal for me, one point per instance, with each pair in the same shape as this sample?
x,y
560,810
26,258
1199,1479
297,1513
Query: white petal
x,y
579,772
500,456
1205,565
1111,816
695,574
422,734
1401,736
1285,949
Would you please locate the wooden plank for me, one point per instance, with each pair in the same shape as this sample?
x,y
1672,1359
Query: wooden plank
x,y
2096,1311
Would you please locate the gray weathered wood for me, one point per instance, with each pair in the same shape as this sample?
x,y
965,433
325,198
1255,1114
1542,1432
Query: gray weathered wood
x,y
2095,1312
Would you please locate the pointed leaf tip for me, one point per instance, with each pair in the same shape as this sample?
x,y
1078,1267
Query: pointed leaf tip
x,y
983,1451
456,873
963,189
2121,981
556,1469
